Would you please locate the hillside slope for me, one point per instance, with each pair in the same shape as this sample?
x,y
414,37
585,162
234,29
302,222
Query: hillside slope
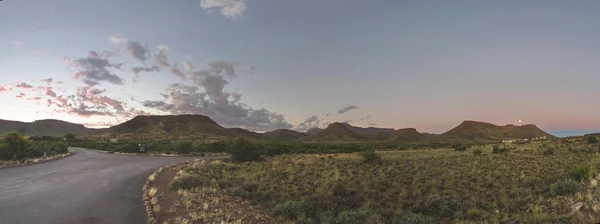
x,y
369,130
172,125
282,135
335,132
407,134
45,127
481,131
244,133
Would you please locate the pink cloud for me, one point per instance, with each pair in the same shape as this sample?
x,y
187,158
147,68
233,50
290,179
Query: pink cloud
x,y
94,54
24,86
16,42
21,95
49,92
162,63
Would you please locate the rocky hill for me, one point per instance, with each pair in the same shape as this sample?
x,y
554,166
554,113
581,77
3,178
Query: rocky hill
x,y
369,130
481,131
407,134
336,132
245,133
172,125
282,135
45,128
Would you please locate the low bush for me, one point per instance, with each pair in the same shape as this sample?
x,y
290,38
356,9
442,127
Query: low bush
x,y
459,147
189,181
184,147
581,173
242,150
565,187
592,139
499,149
548,152
442,206
477,152
475,213
370,157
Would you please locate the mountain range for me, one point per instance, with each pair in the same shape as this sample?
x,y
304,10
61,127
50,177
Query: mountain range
x,y
199,126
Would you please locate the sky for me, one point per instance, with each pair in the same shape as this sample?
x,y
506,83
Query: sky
x,y
265,65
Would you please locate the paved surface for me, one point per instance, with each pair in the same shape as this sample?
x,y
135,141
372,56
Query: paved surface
x,y
86,188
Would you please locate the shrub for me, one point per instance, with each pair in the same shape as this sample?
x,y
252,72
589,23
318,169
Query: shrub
x,y
220,146
542,218
189,181
439,206
242,150
499,149
17,147
521,197
459,147
184,147
130,148
475,213
592,139
291,209
548,152
581,173
477,152
371,157
565,187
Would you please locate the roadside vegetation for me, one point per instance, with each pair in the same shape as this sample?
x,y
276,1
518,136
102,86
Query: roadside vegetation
x,y
476,184
15,149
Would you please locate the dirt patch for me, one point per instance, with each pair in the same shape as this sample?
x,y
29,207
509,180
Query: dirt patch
x,y
200,205
167,198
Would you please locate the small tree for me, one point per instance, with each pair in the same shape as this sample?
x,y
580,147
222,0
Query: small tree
x,y
592,139
242,150
17,147
70,137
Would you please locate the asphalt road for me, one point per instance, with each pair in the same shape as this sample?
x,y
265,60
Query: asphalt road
x,y
86,188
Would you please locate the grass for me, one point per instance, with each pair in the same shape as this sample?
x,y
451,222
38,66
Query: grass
x,y
523,183
10,163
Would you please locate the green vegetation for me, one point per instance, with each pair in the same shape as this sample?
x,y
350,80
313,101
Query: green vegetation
x,y
460,147
522,183
16,149
371,157
243,150
592,139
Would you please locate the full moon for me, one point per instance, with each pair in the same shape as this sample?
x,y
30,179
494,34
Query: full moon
x,y
519,121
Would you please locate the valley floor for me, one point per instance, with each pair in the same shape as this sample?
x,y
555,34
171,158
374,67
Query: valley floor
x,y
537,182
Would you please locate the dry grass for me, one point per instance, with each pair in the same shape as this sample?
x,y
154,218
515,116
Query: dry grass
x,y
523,184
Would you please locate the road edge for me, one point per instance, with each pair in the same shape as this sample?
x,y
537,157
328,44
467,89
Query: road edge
x,y
147,198
161,155
70,153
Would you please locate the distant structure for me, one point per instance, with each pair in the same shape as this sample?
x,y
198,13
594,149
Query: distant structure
x,y
523,140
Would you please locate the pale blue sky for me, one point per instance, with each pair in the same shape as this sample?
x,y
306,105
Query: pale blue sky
x,y
423,64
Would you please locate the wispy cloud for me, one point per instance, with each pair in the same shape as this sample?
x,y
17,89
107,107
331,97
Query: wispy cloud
x,y
94,69
16,42
24,86
347,108
231,9
177,72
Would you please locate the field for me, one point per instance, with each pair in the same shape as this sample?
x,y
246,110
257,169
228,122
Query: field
x,y
537,182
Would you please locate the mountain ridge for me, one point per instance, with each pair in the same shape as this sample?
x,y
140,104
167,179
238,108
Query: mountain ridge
x,y
195,126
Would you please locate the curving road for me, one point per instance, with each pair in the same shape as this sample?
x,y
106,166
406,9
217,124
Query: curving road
x,y
86,188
